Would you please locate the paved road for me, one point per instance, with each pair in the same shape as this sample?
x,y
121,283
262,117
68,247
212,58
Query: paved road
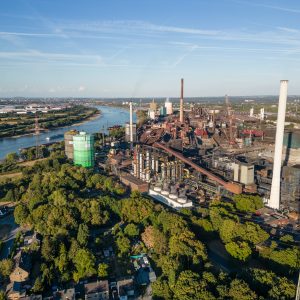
x,y
9,240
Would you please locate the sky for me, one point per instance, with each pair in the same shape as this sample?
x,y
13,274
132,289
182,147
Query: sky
x,y
141,48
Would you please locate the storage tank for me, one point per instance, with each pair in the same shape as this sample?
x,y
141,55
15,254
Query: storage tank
x,y
84,153
68,137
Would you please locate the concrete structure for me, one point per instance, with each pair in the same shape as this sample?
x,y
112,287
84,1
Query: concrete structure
x,y
127,132
169,107
98,290
151,114
131,122
251,112
162,111
84,152
68,137
168,198
181,103
262,114
274,201
243,173
125,289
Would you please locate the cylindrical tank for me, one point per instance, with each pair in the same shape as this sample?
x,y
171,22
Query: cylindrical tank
x,y
69,149
84,153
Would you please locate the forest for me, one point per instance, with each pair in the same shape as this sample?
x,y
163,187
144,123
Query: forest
x,y
78,213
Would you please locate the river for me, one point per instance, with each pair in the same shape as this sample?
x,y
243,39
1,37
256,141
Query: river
x,y
109,116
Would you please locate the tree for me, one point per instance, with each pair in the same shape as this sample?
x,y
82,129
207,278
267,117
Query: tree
x,y
84,262
136,208
11,157
148,237
21,213
6,267
283,289
131,230
2,295
228,231
189,287
248,203
239,250
83,234
49,248
38,285
103,270
239,290
161,290
123,244
62,262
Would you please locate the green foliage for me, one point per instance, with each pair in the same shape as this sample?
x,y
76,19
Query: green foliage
x,y
103,270
284,289
161,289
239,250
2,295
123,244
136,208
38,286
20,214
269,285
239,290
287,238
83,234
248,203
131,230
84,262
6,267
189,286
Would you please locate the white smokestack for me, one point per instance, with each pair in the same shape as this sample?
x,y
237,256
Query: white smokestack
x,y
274,201
262,113
130,122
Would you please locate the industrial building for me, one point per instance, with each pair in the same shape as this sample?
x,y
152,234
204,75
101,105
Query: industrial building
x,y
84,153
203,152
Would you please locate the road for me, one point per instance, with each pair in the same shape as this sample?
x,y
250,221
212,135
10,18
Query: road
x,y
9,238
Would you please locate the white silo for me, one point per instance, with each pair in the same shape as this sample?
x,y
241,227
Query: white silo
x,y
274,201
169,107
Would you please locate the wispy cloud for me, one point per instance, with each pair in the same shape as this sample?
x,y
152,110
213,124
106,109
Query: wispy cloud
x,y
281,8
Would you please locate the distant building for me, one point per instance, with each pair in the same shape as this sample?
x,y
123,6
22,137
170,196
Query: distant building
x,y
152,114
169,107
162,111
98,290
22,268
84,152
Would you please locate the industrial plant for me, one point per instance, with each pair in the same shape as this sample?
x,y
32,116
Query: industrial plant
x,y
188,154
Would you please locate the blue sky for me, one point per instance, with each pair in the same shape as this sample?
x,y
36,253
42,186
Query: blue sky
x,y
137,48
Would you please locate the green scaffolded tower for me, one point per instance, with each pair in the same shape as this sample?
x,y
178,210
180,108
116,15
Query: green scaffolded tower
x,y
84,153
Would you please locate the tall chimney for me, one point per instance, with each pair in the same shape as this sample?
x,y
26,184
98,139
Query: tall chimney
x,y
181,103
130,122
274,201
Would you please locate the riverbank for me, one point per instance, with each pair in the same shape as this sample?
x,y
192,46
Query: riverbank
x,y
99,122
46,121
45,130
